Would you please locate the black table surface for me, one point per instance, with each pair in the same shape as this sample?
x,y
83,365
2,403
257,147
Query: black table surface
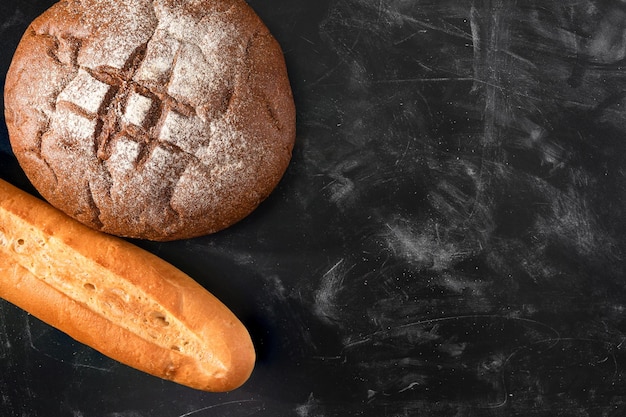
x,y
449,239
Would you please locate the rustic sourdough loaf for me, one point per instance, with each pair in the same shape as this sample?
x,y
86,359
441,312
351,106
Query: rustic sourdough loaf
x,y
152,119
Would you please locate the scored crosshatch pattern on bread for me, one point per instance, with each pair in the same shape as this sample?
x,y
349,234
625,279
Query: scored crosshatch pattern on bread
x,y
134,103
155,119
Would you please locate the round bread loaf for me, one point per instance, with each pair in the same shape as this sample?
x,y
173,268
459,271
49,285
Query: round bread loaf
x,y
151,119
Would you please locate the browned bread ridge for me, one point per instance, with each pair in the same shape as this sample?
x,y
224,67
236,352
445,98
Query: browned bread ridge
x,y
151,119
117,298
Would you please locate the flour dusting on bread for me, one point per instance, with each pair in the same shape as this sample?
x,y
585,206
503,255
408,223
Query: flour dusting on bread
x,y
168,120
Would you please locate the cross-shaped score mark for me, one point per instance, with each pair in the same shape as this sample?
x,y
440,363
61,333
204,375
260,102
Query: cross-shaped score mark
x,y
104,103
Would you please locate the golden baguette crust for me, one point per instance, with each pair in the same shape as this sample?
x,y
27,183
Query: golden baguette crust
x,y
118,298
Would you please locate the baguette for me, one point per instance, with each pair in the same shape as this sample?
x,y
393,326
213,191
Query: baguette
x,y
117,298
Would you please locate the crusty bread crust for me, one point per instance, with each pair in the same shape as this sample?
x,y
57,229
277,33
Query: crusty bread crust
x,y
117,298
158,120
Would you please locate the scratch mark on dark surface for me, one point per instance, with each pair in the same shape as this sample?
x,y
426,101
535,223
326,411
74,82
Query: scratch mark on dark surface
x,y
239,403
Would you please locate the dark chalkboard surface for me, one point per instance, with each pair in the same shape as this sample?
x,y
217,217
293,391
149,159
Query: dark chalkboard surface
x,y
449,239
